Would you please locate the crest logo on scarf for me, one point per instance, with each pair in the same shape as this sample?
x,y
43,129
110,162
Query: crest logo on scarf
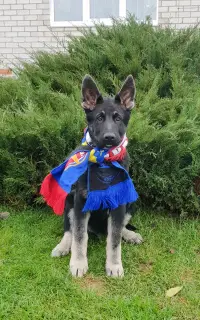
x,y
75,160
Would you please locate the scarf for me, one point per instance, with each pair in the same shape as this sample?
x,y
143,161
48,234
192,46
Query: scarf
x,y
108,183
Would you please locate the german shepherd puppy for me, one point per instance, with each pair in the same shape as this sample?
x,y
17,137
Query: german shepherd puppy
x,y
107,120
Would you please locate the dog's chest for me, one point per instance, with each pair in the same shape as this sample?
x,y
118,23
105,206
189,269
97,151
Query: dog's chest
x,y
100,177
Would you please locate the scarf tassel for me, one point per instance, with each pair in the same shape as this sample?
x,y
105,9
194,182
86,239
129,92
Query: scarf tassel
x,y
53,194
111,198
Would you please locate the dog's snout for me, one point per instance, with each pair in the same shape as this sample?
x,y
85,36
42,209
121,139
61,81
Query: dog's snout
x,y
109,138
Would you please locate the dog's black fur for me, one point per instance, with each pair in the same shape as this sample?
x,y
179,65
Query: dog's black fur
x,y
107,120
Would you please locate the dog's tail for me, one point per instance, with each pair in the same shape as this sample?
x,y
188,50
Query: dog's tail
x,y
131,227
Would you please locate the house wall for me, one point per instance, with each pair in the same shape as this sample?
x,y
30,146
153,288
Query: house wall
x,y
179,14
25,26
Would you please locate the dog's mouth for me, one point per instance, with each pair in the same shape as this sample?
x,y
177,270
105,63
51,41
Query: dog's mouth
x,y
108,146
102,145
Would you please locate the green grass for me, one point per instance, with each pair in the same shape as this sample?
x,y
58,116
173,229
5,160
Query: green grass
x,y
35,286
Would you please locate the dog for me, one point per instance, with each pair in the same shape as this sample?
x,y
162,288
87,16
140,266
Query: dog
x,y
107,120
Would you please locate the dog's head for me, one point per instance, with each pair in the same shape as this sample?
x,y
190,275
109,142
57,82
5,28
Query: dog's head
x,y
107,117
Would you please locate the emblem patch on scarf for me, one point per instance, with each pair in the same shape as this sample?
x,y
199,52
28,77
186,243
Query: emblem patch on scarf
x,y
75,160
109,184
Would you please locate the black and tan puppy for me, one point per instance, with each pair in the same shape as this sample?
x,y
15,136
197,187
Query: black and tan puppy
x,y
107,120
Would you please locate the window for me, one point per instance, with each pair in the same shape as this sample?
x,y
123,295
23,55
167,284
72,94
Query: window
x,y
86,12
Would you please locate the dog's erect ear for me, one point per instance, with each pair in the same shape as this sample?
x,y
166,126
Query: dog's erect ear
x,y
90,93
127,93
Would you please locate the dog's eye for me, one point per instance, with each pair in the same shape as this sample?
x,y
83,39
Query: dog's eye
x,y
99,118
117,118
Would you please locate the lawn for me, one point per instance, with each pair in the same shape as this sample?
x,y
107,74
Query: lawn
x,y
35,286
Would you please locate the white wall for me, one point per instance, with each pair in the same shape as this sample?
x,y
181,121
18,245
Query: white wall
x,y
179,14
24,26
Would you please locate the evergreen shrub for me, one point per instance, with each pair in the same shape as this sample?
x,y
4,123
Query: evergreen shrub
x,y
42,120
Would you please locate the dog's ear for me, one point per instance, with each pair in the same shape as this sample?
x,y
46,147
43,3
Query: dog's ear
x,y
90,93
127,93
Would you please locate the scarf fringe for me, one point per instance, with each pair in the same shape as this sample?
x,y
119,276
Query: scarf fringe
x,y
53,194
111,198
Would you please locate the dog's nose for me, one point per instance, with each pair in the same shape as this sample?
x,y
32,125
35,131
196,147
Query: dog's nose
x,y
109,137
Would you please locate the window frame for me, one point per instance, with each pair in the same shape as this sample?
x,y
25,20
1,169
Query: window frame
x,y
87,22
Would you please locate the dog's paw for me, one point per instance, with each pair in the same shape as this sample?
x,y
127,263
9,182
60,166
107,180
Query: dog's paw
x,y
59,251
132,237
114,270
78,267
63,248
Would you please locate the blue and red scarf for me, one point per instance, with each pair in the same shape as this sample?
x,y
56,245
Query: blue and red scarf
x,y
108,187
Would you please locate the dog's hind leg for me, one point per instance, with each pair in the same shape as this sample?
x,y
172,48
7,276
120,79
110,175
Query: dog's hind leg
x,y
64,246
129,235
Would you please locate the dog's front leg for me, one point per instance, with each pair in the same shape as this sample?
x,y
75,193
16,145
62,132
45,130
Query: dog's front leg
x,y
78,262
114,266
